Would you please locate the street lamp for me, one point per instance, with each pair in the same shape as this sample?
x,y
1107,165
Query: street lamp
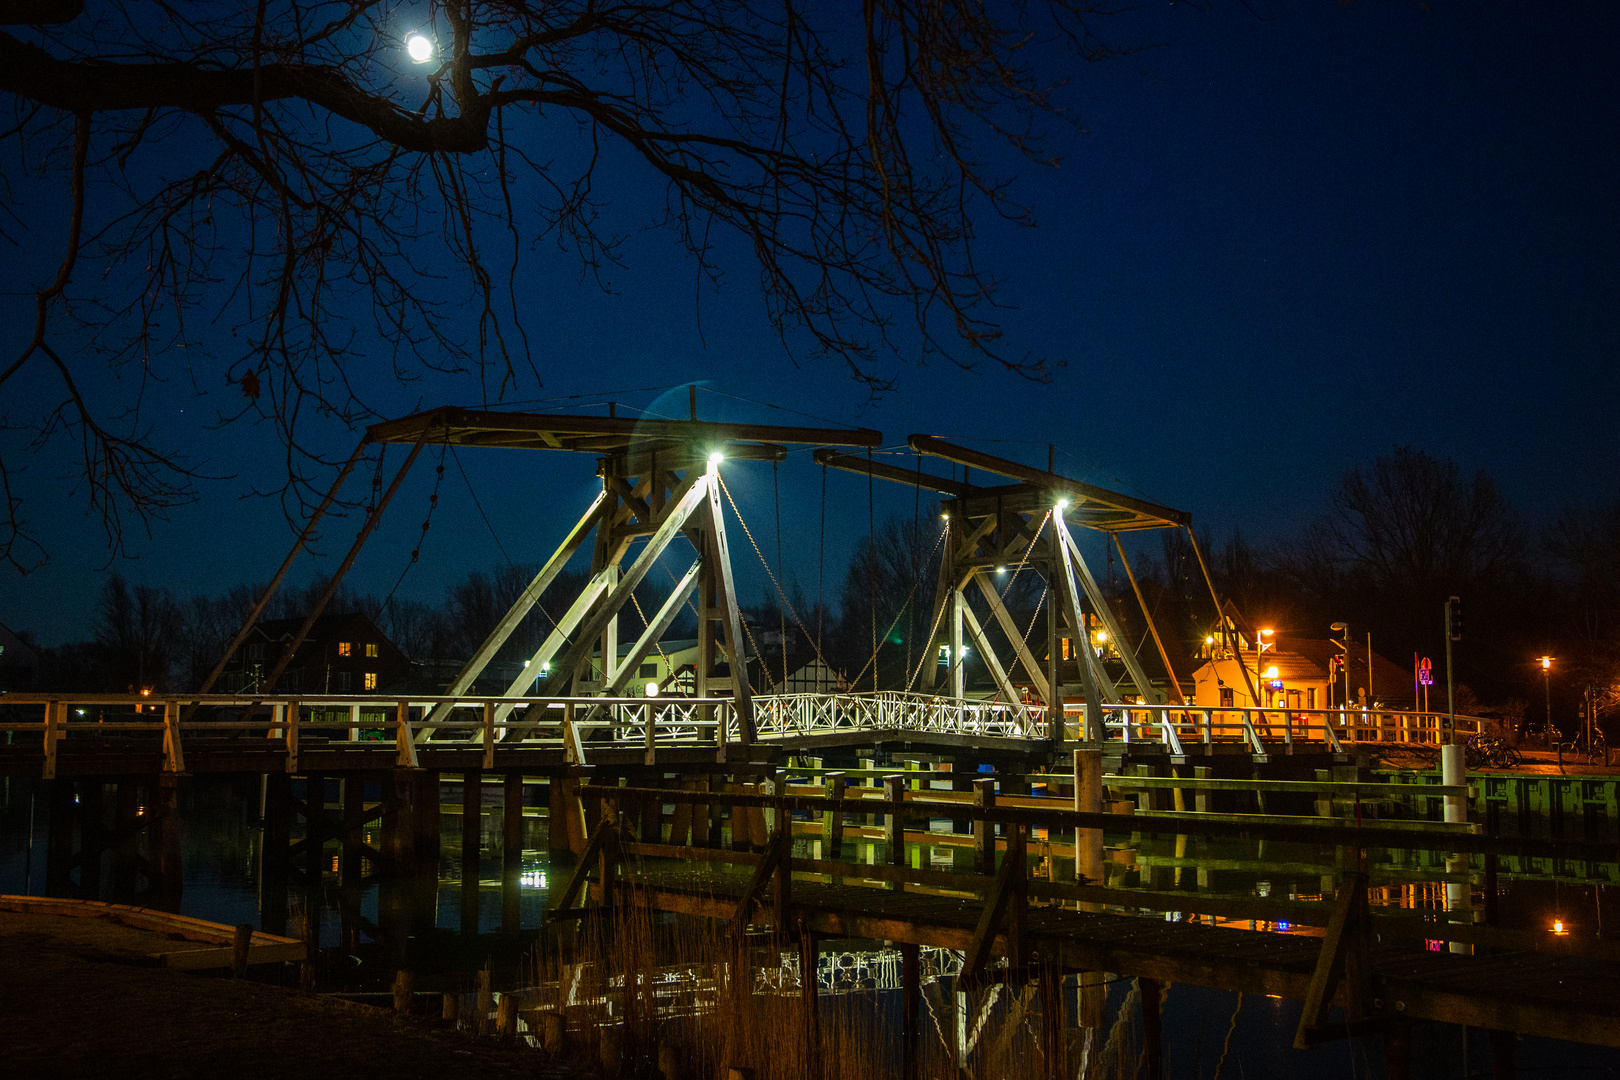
x,y
1546,679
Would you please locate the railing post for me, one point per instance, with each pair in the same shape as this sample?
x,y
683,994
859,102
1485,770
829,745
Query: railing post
x,y
405,758
54,715
289,715
984,830
174,759
1209,731
489,735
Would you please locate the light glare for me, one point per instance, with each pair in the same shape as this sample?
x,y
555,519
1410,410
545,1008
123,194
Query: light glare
x,y
419,47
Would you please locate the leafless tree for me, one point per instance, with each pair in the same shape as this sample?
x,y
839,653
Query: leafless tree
x,y
271,198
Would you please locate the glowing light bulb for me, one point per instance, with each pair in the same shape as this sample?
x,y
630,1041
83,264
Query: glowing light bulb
x,y
652,689
715,459
1558,926
419,47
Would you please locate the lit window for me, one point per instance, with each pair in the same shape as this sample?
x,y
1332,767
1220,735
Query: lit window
x,y
371,648
344,648
371,680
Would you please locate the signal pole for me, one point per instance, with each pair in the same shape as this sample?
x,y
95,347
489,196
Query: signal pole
x,y
1453,633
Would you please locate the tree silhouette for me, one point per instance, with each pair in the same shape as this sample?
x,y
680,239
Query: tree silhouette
x,y
277,202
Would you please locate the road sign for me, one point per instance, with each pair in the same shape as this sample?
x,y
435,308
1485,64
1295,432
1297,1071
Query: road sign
x,y
1426,672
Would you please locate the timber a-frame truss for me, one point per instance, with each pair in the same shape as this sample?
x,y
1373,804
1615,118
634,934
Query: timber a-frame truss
x,y
1027,522
660,481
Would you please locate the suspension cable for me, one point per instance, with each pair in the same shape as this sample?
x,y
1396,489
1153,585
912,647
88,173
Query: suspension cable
x,y
872,661
427,522
781,612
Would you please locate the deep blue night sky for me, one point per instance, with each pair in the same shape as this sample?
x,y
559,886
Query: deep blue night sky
x,y
1280,246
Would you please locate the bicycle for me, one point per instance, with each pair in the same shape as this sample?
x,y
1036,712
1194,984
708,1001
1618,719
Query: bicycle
x,y
1481,750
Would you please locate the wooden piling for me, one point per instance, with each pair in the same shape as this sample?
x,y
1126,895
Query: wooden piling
x,y
472,819
59,845
126,837
984,831
1152,1030
92,837
894,838
910,999
273,856
240,943
512,853
809,999
1398,1049
166,841
506,1017
1504,1049
404,991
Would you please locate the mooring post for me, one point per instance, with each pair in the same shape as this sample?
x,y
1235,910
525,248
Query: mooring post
x,y
512,853
984,830
1088,799
910,999
472,816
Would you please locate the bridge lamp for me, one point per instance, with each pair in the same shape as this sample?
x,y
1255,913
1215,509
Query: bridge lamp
x,y
1001,569
1062,505
715,458
1271,672
652,689
419,47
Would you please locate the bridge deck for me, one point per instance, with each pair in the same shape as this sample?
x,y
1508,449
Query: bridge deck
x,y
1565,997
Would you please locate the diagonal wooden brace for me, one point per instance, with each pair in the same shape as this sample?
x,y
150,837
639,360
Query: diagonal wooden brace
x,y
771,862
1004,905
1341,956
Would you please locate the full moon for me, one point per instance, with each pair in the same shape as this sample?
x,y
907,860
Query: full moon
x,y
419,47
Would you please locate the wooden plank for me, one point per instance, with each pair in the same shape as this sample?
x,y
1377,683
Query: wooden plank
x,y
1342,931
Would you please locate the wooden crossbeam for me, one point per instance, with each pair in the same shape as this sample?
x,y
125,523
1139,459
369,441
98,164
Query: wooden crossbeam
x,y
772,860
577,879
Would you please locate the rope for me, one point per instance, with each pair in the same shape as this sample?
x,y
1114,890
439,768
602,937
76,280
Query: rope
x,y
871,539
872,661
781,612
821,563
456,456
427,522
786,605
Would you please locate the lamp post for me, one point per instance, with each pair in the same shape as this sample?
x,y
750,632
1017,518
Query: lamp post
x,y
1546,679
1345,629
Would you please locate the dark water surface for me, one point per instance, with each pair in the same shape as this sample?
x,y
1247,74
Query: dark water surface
x,y
221,837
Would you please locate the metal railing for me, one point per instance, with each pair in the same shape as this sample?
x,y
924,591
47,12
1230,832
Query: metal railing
x,y
578,724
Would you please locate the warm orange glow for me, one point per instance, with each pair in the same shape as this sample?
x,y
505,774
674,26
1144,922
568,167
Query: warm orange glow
x,y
1558,926
1271,672
146,691
1267,633
1546,662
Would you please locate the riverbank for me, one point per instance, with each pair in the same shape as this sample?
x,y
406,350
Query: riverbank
x,y
73,1004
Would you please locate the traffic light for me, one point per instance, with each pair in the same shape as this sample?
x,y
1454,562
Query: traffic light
x,y
1454,618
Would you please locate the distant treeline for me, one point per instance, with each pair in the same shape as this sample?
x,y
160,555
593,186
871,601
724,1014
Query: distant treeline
x,y
1392,540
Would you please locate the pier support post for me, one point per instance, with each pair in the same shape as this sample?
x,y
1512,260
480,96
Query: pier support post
x,y
832,821
894,838
910,999
567,820
1152,1030
273,857
125,838
59,848
399,822
512,854
314,835
809,999
1054,1032
165,842
1504,1046
984,831
92,836
472,821
1398,1049
351,867
1088,799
